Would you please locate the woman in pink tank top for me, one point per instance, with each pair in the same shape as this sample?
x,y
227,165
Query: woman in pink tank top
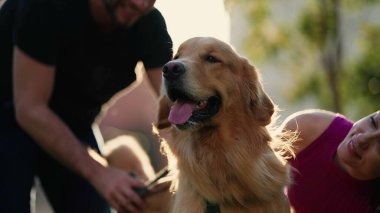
x,y
336,167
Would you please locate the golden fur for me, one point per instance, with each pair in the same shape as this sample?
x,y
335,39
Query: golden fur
x,y
228,158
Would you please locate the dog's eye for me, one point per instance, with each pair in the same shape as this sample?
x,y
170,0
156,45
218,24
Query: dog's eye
x,y
212,59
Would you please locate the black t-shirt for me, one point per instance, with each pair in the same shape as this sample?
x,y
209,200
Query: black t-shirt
x,y
91,66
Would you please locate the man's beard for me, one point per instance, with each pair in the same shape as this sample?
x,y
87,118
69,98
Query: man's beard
x,y
110,6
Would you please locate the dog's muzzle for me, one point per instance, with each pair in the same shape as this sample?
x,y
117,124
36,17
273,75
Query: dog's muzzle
x,y
187,110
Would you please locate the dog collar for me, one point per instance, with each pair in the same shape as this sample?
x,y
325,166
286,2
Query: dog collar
x,y
212,207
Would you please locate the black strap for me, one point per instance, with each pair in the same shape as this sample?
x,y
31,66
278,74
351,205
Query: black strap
x,y
142,191
212,207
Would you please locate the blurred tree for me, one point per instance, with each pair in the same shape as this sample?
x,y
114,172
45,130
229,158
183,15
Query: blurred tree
x,y
362,83
312,49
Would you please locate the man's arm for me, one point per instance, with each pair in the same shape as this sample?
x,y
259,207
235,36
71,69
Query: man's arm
x,y
33,85
155,79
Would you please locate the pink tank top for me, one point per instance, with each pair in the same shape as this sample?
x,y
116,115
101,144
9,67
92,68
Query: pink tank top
x,y
319,185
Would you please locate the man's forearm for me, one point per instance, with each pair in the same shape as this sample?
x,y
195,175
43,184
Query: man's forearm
x,y
52,134
155,79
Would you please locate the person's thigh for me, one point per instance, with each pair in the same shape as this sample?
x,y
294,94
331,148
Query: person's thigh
x,y
17,154
67,191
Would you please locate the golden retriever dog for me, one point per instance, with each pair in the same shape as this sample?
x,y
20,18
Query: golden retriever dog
x,y
213,118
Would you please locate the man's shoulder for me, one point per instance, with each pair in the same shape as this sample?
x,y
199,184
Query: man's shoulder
x,y
153,18
40,24
50,11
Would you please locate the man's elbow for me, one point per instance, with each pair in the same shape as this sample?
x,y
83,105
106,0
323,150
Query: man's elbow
x,y
24,115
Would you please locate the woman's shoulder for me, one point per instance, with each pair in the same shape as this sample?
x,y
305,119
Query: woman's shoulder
x,y
309,125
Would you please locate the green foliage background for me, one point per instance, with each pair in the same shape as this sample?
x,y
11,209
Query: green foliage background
x,y
312,50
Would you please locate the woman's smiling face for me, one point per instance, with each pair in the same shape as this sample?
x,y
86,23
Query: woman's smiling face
x,y
359,153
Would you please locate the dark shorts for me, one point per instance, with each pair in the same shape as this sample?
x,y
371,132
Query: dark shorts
x,y
22,160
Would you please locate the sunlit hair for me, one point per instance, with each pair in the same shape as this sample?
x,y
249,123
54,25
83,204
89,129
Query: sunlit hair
x,y
282,140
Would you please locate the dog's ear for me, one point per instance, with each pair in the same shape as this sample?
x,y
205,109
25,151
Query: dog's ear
x,y
259,102
263,107
163,113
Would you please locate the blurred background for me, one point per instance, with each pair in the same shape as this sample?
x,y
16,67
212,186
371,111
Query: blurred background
x,y
313,53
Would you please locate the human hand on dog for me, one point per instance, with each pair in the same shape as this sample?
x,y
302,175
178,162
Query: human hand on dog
x,y
117,187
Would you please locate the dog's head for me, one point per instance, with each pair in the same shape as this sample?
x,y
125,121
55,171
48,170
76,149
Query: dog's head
x,y
207,80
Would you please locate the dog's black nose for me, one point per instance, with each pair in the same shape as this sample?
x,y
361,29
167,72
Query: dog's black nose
x,y
172,70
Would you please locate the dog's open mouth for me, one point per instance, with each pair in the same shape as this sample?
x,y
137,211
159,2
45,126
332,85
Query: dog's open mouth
x,y
187,111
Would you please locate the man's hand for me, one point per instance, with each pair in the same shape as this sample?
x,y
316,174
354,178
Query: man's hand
x,y
117,187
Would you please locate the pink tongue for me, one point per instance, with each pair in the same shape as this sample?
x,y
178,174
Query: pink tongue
x,y
180,113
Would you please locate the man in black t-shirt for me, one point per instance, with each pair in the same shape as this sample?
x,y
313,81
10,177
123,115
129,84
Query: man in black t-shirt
x,y
60,61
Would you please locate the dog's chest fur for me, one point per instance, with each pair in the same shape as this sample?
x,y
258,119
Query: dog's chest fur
x,y
213,164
